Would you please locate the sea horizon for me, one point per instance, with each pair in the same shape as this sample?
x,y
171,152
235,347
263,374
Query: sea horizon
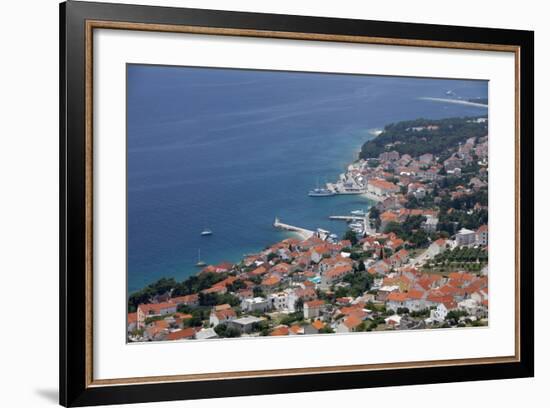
x,y
230,150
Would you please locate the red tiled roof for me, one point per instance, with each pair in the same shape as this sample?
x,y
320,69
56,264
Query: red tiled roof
x,y
397,297
181,334
155,308
193,298
271,281
317,324
315,303
352,321
225,314
259,271
337,271
279,331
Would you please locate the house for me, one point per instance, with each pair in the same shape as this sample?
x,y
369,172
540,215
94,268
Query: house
x,y
381,187
452,163
379,268
314,328
470,306
312,308
306,294
257,304
132,322
349,324
396,300
296,329
465,237
245,324
482,235
385,291
415,300
281,269
216,289
437,247
401,257
219,308
223,267
245,294
282,300
389,156
331,262
221,316
393,321
154,309
386,217
430,225
181,334
281,330
260,270
270,283
318,253
335,274
156,330
205,334
188,300
438,314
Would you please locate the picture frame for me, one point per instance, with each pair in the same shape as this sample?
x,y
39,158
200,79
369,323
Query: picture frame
x,y
79,20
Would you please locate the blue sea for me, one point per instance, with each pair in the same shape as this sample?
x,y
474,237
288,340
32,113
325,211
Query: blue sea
x,y
230,149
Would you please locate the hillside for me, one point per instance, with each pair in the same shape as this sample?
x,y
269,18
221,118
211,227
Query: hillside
x,y
421,136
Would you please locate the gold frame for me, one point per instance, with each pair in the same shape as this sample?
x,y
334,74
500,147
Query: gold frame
x,y
99,24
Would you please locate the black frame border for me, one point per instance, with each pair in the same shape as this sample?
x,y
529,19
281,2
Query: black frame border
x,y
72,123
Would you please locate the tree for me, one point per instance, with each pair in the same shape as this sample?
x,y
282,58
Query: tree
x,y
258,292
220,329
350,236
374,215
326,329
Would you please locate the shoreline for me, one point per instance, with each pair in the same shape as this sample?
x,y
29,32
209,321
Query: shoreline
x,y
373,197
455,101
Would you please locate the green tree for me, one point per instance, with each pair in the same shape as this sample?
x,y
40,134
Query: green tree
x,y
350,236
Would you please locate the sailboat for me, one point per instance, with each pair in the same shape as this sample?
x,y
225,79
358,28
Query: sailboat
x,y
199,261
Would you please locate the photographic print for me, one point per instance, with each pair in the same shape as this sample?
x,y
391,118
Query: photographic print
x,y
273,203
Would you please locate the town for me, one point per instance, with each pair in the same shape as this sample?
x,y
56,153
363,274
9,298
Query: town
x,y
418,259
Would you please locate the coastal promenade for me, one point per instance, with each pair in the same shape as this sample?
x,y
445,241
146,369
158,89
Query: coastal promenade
x,y
373,197
304,233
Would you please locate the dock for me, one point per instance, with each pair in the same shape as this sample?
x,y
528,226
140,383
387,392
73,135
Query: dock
x,y
354,218
305,233
346,217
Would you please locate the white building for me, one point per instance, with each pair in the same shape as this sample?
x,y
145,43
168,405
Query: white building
x,y
245,324
257,304
438,314
465,237
312,308
285,300
205,334
430,225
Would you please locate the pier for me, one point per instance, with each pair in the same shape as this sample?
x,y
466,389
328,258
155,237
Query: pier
x,y
353,218
305,233
347,217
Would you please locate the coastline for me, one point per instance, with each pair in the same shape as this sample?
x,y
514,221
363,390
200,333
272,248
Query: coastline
x,y
373,197
455,101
